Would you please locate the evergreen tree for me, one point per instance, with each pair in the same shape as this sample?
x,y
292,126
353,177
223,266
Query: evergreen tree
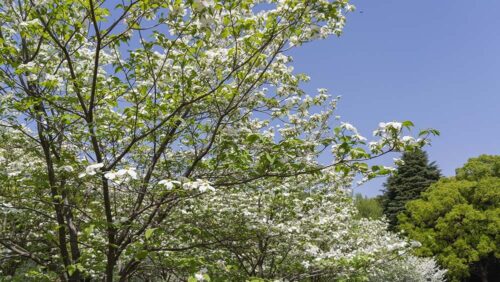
x,y
413,176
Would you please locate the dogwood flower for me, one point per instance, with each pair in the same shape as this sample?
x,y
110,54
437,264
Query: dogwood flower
x,y
122,174
91,169
67,168
201,185
169,184
349,127
199,5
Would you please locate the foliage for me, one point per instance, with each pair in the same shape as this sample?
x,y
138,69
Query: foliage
x,y
368,207
478,168
458,220
414,175
115,116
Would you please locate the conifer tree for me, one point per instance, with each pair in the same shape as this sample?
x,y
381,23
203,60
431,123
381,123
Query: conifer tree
x,y
413,175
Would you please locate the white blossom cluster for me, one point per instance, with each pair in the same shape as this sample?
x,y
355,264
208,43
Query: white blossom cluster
x,y
314,228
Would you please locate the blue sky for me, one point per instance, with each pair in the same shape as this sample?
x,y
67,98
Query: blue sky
x,y
436,63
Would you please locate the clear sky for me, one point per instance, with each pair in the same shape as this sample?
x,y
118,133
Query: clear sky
x,y
436,63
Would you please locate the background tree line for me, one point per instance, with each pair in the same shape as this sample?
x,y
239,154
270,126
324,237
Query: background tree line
x,y
456,219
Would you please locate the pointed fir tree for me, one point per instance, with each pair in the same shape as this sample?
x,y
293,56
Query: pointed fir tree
x,y
413,176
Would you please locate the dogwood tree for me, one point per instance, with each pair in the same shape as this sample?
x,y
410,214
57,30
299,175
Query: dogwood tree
x,y
293,229
115,114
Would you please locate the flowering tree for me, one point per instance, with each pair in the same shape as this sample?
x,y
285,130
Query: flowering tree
x,y
115,115
294,229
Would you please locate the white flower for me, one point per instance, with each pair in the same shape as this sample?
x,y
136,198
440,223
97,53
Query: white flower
x,y
199,5
200,274
204,186
415,244
32,77
110,175
30,23
67,168
349,7
132,173
201,185
373,145
348,126
359,137
189,185
393,124
92,169
313,250
216,54
407,139
122,174
169,184
199,277
322,91
40,2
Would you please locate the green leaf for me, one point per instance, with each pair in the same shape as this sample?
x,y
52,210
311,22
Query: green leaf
x,y
142,254
149,232
87,231
270,158
251,138
407,124
435,132
71,269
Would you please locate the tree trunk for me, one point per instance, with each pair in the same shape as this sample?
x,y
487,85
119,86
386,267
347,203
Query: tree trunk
x,y
483,273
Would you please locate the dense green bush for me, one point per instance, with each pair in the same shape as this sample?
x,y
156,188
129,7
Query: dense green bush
x,y
458,221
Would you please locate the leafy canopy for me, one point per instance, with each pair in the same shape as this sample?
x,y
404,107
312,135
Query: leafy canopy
x,y
458,220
